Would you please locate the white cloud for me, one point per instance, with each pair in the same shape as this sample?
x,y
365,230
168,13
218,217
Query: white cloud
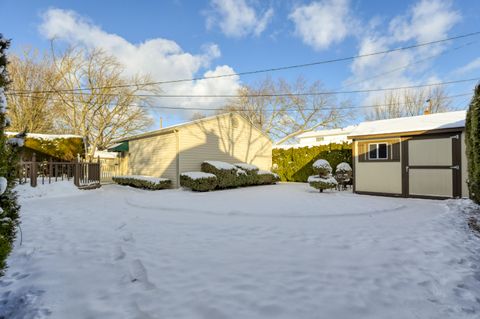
x,y
320,24
427,20
237,19
162,59
472,66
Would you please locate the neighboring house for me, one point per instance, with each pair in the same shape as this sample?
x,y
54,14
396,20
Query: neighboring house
x,y
419,156
180,148
323,137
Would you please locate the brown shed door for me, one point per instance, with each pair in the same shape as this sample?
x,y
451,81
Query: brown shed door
x,y
432,166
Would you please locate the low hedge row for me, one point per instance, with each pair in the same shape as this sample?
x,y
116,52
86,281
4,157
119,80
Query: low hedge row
x,y
226,176
198,181
144,182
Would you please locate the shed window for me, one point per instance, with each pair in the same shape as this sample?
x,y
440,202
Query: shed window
x,y
378,151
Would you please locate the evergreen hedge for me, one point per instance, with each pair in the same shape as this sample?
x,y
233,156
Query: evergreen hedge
x,y
8,167
61,148
472,140
226,178
201,184
143,182
295,164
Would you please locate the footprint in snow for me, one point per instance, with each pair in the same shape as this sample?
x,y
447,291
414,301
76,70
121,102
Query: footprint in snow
x,y
118,253
138,274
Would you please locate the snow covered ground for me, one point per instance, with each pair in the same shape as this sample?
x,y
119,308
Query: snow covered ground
x,y
279,251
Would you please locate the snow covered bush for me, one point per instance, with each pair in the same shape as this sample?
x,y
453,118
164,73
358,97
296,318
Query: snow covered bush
x,y
323,179
251,174
239,174
321,183
343,174
198,181
322,167
343,168
227,174
144,182
267,178
8,168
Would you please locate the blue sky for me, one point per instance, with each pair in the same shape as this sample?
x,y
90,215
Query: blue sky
x,y
182,39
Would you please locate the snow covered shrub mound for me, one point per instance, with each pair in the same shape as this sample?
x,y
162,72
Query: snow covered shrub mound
x,y
267,178
198,181
227,174
247,167
343,168
251,174
144,182
324,179
322,183
237,175
322,167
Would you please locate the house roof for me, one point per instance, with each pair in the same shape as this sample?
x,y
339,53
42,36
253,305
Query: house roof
x,y
421,123
336,131
45,136
171,128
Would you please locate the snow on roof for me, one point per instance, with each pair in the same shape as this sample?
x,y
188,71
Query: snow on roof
x,y
411,124
336,131
105,154
45,136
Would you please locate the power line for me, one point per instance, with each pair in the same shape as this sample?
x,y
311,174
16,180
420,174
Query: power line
x,y
273,94
407,65
268,110
274,69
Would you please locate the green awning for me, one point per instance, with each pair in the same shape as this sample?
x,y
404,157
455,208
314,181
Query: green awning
x,y
120,147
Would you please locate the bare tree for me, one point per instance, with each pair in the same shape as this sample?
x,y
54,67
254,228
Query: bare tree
x,y
96,101
30,109
410,102
286,115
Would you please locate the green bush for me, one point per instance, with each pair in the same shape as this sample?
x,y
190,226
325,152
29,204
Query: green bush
x,y
322,183
295,164
61,148
144,182
227,174
472,140
322,167
198,181
267,178
251,174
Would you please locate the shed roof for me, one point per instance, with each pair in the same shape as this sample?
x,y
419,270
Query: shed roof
x,y
421,123
331,132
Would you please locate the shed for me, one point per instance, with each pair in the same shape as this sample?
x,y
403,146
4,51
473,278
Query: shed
x,y
421,156
170,151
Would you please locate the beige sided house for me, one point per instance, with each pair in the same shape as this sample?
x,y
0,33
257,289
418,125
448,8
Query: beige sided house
x,y
421,156
181,148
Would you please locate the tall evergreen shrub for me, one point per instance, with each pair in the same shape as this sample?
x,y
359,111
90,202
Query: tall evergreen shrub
x,y
8,165
472,140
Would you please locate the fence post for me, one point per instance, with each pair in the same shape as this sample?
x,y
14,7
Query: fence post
x,y
33,171
50,171
99,174
76,173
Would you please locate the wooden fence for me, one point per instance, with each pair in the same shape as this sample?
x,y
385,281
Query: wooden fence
x,y
84,174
